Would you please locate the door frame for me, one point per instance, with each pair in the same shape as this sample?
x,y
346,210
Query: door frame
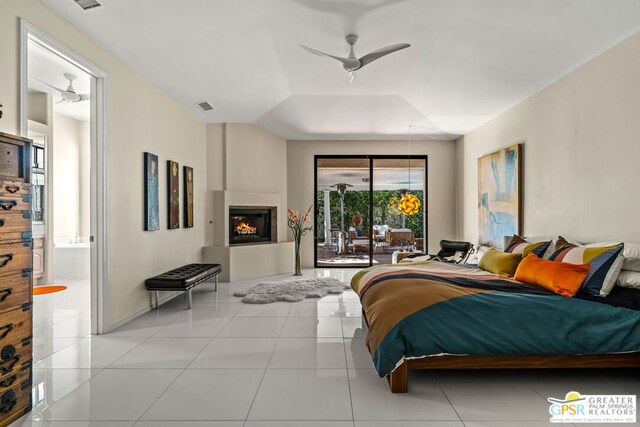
x,y
371,158
99,167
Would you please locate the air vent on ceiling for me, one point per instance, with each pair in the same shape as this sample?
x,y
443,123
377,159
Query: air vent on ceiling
x,y
205,106
89,4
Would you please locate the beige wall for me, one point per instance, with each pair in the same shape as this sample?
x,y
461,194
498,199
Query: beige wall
x,y
215,173
256,159
68,141
243,157
582,145
141,118
85,180
440,191
39,107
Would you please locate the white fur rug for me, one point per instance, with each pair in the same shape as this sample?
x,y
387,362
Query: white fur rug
x,y
291,290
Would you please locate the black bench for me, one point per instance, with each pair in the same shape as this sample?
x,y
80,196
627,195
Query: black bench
x,y
183,279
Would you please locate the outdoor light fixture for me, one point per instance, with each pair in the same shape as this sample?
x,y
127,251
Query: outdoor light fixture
x,y
342,189
342,235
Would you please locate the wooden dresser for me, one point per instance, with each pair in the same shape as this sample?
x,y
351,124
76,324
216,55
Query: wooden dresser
x,y
15,278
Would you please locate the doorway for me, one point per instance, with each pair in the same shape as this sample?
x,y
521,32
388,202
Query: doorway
x,y
359,221
63,109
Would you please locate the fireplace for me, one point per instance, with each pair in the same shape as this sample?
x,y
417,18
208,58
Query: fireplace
x,y
249,225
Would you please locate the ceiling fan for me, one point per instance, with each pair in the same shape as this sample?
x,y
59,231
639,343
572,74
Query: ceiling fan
x,y
353,63
70,94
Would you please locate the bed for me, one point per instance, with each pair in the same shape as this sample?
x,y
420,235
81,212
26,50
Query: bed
x,y
433,315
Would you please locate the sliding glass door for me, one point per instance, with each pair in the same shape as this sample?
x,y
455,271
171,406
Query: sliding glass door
x,y
359,220
342,212
393,229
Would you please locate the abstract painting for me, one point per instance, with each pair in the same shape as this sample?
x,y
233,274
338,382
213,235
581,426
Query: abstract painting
x,y
173,182
151,203
188,197
500,195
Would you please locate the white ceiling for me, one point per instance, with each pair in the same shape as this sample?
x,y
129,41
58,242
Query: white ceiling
x,y
383,178
46,67
469,59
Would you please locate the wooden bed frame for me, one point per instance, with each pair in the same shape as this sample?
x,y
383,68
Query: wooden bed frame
x,y
399,379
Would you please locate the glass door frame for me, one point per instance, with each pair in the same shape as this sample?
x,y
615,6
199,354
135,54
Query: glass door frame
x,y
371,159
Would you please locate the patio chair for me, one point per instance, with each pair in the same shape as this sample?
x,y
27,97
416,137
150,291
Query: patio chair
x,y
356,241
379,234
402,237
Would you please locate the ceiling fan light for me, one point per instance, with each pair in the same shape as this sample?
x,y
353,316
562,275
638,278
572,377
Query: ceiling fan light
x,y
352,76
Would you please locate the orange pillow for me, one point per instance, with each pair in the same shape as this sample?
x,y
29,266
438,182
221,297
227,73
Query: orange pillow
x,y
560,277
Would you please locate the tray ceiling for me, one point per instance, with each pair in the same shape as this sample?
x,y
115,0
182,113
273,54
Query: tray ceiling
x,y
469,59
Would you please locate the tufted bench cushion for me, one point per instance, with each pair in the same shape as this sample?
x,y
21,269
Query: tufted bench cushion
x,y
183,279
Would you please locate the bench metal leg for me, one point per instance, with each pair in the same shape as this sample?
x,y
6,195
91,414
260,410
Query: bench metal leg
x,y
156,300
215,289
189,300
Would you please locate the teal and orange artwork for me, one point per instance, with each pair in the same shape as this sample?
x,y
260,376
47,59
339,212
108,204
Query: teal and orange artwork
x,y
499,196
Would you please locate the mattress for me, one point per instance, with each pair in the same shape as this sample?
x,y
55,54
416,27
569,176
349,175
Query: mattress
x,y
426,309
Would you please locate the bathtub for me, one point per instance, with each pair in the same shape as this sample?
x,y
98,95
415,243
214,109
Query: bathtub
x,y
72,258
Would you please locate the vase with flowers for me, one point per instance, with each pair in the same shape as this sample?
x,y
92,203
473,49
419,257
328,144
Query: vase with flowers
x,y
297,224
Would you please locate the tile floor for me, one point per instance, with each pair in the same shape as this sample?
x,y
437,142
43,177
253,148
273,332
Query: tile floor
x,y
228,364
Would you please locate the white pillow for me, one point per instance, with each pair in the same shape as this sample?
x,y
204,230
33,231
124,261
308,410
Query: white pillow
x,y
629,279
631,255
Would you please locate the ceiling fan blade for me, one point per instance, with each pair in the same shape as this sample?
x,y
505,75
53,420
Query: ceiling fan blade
x,y
62,100
379,53
68,96
317,52
52,87
84,97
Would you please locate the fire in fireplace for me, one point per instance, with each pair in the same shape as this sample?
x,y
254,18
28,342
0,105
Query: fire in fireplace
x,y
244,228
250,225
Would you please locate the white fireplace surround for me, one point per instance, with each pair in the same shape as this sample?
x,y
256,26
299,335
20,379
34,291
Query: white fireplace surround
x,y
223,199
248,261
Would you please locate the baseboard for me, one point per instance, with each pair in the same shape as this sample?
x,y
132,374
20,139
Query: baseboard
x,y
143,311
